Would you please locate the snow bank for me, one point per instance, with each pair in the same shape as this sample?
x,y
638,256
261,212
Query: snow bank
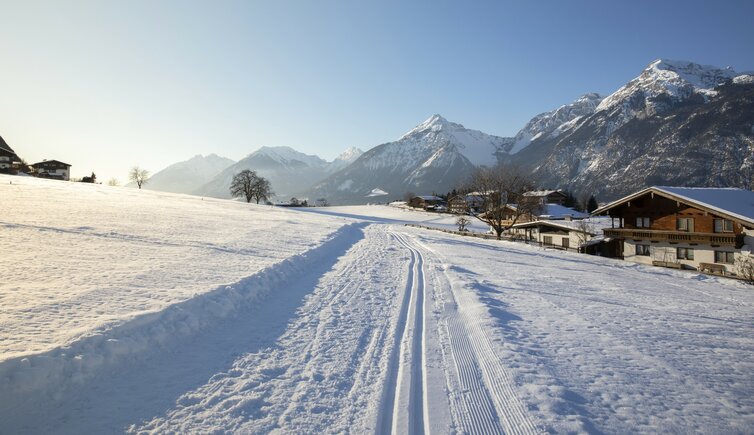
x,y
51,371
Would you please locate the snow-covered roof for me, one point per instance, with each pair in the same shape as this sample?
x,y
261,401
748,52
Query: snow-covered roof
x,y
50,161
542,192
377,192
556,211
729,202
429,197
592,225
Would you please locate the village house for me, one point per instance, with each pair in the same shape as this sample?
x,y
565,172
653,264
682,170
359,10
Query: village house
x,y
578,235
545,212
52,169
462,204
426,202
10,163
683,227
547,196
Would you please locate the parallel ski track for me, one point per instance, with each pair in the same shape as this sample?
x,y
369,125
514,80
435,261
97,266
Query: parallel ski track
x,y
405,393
488,402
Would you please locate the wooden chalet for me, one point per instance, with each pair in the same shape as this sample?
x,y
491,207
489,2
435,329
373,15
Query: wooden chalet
x,y
52,169
10,163
462,204
547,196
683,227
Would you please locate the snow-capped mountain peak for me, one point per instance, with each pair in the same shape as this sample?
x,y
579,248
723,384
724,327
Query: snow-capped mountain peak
x,y
433,123
349,155
479,148
677,79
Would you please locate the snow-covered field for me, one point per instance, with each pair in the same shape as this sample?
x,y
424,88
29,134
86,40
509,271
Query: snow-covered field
x,y
125,310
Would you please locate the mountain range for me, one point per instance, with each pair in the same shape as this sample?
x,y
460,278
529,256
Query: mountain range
x,y
677,123
289,171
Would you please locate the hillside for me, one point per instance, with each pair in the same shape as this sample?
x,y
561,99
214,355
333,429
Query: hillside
x,y
187,176
434,156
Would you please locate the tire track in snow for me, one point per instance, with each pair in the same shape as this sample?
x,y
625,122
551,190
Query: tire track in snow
x,y
404,405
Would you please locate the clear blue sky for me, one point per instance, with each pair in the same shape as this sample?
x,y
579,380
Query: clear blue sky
x,y
108,85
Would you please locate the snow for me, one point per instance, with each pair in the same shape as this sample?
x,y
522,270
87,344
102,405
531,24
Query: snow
x,y
555,122
284,155
556,211
476,146
377,192
675,78
213,316
64,232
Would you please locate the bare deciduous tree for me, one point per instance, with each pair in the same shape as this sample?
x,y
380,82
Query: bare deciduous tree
x,y
262,190
501,190
138,176
745,268
113,182
462,223
584,231
249,185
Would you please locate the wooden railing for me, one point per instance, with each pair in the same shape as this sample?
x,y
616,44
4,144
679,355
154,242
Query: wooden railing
x,y
677,236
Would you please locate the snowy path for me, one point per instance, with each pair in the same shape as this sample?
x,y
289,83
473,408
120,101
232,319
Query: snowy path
x,y
405,408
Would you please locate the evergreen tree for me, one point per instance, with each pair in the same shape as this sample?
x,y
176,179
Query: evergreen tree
x,y
592,205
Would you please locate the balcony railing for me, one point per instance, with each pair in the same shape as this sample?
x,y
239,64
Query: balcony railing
x,y
719,239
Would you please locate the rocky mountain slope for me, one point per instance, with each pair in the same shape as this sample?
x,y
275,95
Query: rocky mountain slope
x,y
677,123
434,156
187,176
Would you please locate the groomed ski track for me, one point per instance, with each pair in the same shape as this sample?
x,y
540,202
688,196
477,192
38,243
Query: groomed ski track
x,y
346,346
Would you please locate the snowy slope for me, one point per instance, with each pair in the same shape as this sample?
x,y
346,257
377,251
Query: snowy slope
x,y
479,148
344,159
676,80
187,176
344,320
553,123
159,248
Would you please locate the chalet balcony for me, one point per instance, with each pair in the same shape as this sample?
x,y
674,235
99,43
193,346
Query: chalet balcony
x,y
717,239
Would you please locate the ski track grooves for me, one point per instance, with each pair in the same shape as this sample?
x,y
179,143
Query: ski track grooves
x,y
487,401
404,404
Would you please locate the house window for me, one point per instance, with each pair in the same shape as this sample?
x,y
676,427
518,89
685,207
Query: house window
x,y
642,250
723,226
724,257
642,222
684,253
565,242
547,240
685,224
